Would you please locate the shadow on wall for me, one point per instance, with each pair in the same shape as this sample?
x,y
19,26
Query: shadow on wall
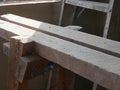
x,y
42,12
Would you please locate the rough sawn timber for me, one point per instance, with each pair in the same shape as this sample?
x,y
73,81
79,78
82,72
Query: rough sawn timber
x,y
94,42
91,64
15,50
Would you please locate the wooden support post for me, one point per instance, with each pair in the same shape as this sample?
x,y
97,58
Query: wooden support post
x,y
26,64
16,49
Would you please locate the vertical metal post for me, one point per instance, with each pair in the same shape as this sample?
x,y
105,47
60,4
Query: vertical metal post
x,y
108,18
106,28
61,12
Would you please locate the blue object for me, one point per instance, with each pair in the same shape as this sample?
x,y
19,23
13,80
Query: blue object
x,y
49,67
33,73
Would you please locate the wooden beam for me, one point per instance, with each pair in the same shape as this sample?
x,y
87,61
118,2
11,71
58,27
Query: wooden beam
x,y
13,83
94,42
91,64
31,66
14,3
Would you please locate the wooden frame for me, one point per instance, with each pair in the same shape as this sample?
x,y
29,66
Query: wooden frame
x,y
80,38
89,63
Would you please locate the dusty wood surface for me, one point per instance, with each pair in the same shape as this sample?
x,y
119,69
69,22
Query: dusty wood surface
x,y
91,41
91,64
12,3
31,66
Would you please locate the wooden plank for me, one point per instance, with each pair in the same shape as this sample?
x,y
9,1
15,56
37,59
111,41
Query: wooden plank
x,y
14,3
21,49
91,64
99,6
91,41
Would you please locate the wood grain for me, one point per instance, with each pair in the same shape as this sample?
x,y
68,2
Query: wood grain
x,y
94,42
13,84
91,64
29,2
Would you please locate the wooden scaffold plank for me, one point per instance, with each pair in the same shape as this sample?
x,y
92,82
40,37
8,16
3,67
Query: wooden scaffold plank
x,y
13,84
83,61
94,42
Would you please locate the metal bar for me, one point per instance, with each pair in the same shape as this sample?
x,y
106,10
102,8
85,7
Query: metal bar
x,y
108,18
61,12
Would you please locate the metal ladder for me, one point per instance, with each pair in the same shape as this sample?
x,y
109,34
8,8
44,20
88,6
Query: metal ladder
x,y
98,6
